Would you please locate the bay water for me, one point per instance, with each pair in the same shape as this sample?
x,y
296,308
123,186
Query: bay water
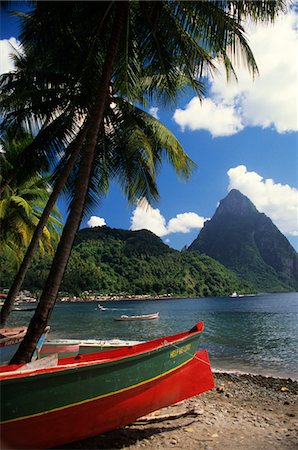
x,y
255,334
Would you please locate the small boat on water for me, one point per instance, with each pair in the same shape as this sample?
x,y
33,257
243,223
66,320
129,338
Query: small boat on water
x,y
235,295
101,308
70,399
10,339
72,347
23,309
142,317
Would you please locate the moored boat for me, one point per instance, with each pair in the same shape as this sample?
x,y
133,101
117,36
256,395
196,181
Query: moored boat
x,y
124,317
10,339
91,394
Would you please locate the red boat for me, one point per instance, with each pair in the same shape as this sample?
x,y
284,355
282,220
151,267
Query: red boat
x,y
91,394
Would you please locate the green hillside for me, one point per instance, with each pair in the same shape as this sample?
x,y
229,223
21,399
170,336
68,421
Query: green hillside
x,y
111,261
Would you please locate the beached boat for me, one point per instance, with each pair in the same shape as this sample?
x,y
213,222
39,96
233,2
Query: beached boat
x,y
142,317
10,339
72,347
91,394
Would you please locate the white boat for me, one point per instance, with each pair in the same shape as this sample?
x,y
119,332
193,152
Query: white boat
x,y
142,317
241,295
71,347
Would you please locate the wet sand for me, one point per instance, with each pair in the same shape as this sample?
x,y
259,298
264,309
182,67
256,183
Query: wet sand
x,y
243,412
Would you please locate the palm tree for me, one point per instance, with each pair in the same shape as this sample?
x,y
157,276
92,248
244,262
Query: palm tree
x,y
163,40
40,229
20,92
127,132
21,205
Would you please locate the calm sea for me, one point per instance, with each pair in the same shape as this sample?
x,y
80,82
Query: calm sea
x,y
250,334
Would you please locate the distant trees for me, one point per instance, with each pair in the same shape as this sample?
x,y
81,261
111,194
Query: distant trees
x,y
104,266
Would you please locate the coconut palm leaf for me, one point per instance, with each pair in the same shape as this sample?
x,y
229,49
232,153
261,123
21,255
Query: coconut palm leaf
x,y
21,205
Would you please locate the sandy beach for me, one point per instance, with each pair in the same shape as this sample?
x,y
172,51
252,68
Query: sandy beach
x,y
243,412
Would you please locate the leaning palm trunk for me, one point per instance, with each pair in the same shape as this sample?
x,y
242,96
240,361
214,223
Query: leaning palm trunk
x,y
19,278
50,292
4,185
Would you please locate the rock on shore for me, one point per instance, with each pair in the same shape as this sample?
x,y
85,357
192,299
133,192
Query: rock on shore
x,y
243,412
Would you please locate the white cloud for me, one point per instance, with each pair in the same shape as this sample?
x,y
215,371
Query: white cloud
x,y
268,101
219,119
7,48
184,223
146,217
278,201
95,221
154,112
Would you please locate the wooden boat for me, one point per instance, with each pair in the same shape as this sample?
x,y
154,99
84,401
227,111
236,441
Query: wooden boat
x,y
143,317
10,339
72,347
91,394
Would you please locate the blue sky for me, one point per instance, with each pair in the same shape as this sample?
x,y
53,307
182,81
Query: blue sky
x,y
243,136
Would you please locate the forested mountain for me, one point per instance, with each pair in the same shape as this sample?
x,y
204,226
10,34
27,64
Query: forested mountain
x,y
107,260
247,242
239,249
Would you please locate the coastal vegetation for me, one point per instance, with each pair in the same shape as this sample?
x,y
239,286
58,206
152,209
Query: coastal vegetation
x,y
113,261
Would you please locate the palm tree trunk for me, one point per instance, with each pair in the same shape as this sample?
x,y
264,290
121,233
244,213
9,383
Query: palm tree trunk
x,y
50,292
19,278
5,184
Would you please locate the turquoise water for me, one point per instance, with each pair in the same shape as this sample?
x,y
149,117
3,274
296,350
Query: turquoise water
x,y
250,334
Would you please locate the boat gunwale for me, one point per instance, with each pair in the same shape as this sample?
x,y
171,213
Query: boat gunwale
x,y
12,338
89,360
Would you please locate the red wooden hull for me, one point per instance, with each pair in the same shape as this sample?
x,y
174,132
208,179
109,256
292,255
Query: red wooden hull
x,y
104,414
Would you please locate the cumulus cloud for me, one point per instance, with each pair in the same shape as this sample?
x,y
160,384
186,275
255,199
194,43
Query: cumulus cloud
x,y
146,217
7,48
218,119
270,100
154,112
278,201
95,221
184,223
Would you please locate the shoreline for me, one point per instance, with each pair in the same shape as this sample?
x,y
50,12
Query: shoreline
x,y
111,298
242,412
242,372
28,298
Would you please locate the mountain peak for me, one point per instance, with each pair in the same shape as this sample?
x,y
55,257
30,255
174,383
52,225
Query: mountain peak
x,y
247,242
236,203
